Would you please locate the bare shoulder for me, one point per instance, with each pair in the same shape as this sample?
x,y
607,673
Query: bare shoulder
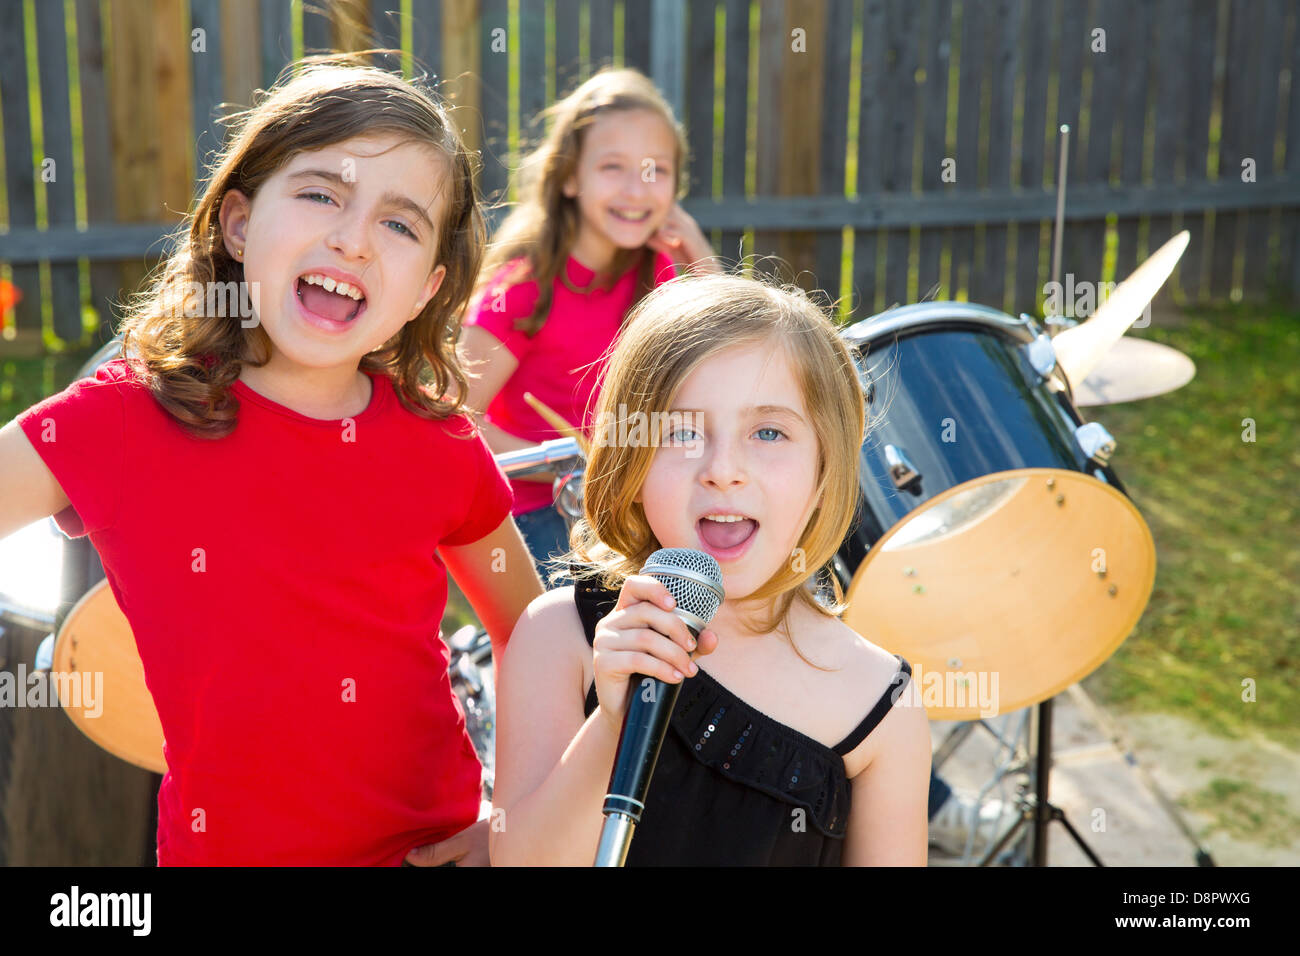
x,y
550,618
872,672
865,667
549,634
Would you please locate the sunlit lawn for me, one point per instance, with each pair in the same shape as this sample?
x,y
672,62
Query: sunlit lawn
x,y
1223,511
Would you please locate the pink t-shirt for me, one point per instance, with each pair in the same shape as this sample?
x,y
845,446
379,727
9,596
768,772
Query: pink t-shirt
x,y
285,591
561,365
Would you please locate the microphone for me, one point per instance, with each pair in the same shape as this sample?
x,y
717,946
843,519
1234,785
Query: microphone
x,y
695,581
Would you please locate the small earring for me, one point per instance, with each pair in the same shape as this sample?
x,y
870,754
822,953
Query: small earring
x,y
240,253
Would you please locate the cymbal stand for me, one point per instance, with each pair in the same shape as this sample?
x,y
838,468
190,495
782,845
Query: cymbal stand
x,y
1034,804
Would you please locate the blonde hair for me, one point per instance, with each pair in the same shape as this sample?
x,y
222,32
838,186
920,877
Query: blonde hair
x,y
542,227
190,362
672,332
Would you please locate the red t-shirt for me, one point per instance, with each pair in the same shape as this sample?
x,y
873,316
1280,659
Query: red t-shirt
x,y
563,362
285,594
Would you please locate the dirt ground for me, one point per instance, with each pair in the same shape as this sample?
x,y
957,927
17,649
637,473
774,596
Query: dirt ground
x,y
1240,798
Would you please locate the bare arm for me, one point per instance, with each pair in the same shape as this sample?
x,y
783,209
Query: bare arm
x,y
28,490
498,577
489,365
553,767
553,764
888,825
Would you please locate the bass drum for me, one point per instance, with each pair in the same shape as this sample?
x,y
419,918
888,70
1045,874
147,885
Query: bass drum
x,y
996,549
63,800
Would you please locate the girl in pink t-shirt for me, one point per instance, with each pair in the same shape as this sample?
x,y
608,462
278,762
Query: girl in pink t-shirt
x,y
279,480
596,227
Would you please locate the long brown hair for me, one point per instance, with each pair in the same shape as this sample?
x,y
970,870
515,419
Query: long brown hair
x,y
190,362
543,225
674,330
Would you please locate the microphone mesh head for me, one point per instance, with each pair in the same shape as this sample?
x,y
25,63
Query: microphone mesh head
x,y
692,577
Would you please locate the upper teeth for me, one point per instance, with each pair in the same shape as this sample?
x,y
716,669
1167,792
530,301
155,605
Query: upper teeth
x,y
626,214
726,517
342,288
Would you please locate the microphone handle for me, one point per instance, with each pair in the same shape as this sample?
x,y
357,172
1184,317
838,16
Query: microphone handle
x,y
645,724
644,727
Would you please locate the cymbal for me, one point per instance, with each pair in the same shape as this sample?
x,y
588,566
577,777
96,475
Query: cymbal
x,y
1080,349
1134,369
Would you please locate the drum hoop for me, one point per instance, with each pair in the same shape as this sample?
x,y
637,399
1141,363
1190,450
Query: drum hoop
x,y
908,317
25,616
911,318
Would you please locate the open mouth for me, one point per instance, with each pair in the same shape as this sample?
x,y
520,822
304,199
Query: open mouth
x,y
324,297
726,533
629,216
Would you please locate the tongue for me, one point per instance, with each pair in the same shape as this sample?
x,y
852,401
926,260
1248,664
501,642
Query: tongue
x,y
726,534
330,305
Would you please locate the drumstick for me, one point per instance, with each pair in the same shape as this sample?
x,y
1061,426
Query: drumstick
x,y
554,419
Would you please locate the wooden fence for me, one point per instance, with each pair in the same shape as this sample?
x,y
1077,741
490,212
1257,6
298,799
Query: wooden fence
x,y
879,147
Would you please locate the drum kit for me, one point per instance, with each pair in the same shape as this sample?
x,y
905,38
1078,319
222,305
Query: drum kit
x,y
996,548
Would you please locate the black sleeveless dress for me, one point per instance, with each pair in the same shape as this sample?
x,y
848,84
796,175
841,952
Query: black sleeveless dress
x,y
732,786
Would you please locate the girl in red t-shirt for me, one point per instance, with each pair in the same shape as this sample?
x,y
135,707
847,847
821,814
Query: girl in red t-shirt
x,y
597,226
276,481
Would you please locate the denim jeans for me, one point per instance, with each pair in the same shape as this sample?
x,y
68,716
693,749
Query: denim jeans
x,y
546,535
939,792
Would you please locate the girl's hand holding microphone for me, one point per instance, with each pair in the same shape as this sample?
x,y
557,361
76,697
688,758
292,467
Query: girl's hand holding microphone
x,y
642,636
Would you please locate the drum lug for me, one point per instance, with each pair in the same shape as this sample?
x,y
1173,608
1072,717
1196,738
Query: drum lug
x,y
901,469
1041,354
1097,443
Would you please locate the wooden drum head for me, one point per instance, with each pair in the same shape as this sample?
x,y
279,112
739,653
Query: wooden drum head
x,y
1003,591
96,644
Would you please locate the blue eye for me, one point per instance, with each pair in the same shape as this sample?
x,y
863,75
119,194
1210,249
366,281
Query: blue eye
x,y
675,436
406,230
775,431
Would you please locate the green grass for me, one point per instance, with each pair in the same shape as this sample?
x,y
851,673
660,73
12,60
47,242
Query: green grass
x,y
1245,812
25,381
1223,512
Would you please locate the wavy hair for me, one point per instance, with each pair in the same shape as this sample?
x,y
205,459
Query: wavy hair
x,y
542,227
190,362
672,332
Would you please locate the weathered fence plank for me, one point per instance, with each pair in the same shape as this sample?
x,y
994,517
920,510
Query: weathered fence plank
x,y
1030,236
150,115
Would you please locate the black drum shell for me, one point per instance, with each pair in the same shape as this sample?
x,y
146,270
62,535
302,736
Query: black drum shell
x,y
962,401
